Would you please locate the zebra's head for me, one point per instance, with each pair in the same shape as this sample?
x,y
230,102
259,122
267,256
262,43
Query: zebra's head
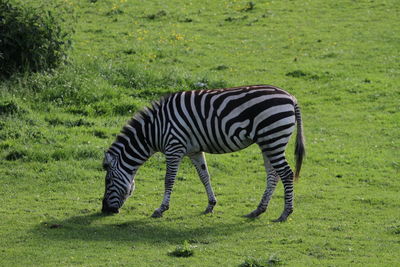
x,y
119,184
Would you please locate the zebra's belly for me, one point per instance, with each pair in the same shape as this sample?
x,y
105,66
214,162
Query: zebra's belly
x,y
230,150
220,145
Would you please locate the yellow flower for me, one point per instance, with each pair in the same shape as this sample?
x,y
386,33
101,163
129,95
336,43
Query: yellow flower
x,y
179,36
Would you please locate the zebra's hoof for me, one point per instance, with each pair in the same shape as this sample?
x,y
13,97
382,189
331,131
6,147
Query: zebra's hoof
x,y
209,210
156,214
255,213
284,216
279,220
252,215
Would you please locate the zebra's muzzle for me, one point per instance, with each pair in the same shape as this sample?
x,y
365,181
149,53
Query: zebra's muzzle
x,y
107,209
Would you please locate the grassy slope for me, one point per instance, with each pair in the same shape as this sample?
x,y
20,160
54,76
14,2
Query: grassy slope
x,y
347,204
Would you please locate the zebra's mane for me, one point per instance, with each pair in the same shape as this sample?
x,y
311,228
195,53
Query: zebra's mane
x,y
148,111
142,116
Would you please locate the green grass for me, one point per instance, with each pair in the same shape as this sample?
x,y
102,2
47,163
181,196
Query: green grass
x,y
339,58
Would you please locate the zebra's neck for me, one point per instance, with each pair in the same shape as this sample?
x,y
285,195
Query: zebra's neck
x,y
153,122
131,145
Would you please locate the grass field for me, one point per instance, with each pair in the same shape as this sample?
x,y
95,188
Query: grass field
x,y
339,58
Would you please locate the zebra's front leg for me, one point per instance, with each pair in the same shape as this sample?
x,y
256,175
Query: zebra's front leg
x,y
199,161
172,168
272,180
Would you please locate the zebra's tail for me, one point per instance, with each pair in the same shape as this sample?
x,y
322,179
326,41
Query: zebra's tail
x,y
299,150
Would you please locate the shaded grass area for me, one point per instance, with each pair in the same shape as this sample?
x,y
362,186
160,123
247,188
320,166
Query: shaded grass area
x,y
340,59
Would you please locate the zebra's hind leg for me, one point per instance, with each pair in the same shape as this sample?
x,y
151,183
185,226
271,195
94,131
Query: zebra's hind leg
x,y
272,180
199,161
285,172
172,168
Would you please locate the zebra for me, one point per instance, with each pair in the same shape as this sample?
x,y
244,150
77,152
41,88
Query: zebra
x,y
190,123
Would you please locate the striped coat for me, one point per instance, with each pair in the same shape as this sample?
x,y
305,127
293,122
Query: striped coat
x,y
217,121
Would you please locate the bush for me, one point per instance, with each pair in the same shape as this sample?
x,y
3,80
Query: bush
x,y
31,39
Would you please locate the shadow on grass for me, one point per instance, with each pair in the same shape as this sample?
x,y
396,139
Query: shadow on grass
x,y
95,227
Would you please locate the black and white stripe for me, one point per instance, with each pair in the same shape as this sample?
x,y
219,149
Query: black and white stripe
x,y
218,121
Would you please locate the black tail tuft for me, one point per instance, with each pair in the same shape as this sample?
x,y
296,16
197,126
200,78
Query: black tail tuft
x,y
299,150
